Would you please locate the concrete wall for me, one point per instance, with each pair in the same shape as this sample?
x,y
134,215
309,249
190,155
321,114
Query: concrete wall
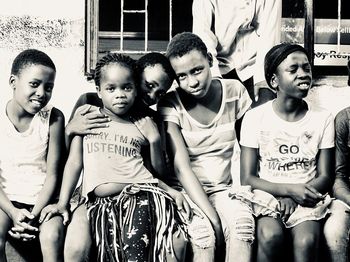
x,y
55,27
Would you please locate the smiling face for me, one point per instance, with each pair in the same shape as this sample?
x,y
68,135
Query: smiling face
x,y
155,83
293,76
117,89
32,87
193,73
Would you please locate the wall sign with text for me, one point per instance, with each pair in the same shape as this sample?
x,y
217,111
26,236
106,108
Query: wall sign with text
x,y
327,52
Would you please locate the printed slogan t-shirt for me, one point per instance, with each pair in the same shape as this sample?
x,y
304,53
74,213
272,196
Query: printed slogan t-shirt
x,y
287,150
114,156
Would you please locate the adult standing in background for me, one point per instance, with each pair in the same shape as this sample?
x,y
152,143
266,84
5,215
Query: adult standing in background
x,y
238,34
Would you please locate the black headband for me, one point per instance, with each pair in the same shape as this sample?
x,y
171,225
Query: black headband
x,y
276,55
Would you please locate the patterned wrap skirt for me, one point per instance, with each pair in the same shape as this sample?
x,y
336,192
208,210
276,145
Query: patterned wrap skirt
x,y
141,219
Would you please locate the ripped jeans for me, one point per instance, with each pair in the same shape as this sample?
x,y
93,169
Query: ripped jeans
x,y
238,225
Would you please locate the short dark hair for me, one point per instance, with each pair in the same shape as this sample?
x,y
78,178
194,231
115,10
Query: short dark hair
x,y
184,43
152,59
31,57
115,58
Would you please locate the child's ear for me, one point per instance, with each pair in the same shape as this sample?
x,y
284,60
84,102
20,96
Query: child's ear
x,y
12,81
210,59
98,89
274,81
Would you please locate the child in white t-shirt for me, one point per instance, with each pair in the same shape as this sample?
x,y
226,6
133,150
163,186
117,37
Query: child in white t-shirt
x,y
32,139
287,152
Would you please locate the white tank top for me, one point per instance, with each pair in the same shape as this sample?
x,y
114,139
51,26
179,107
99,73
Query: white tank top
x,y
23,157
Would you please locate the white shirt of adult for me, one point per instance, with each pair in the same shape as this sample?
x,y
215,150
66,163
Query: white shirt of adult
x,y
238,33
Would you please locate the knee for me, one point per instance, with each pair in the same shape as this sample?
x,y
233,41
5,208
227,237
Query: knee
x,y
77,246
242,226
52,235
270,238
201,233
306,241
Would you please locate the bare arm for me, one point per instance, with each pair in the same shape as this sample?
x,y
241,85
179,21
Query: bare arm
x,y
203,13
71,175
55,161
324,178
341,189
183,170
150,130
269,17
82,121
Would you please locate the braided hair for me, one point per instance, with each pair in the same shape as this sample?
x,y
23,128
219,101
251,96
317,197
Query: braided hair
x,y
115,58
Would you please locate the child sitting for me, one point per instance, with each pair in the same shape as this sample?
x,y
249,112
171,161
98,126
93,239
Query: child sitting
x,y
200,117
30,162
131,217
156,77
287,151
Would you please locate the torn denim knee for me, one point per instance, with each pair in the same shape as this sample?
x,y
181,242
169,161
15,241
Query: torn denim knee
x,y
201,233
243,226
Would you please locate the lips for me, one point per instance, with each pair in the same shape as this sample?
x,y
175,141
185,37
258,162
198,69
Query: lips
x,y
304,86
37,102
120,104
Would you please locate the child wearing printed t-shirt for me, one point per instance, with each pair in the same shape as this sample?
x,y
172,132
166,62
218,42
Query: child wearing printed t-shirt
x,y
286,157
132,215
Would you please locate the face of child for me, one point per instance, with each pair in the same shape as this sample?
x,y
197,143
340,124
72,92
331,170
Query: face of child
x,y
117,89
193,73
32,87
293,76
154,84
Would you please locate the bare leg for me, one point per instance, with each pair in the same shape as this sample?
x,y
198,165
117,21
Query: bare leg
x,y
78,238
51,239
306,237
180,244
270,237
5,224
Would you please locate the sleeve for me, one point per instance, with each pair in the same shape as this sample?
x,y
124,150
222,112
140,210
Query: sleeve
x,y
167,110
327,140
249,130
203,14
269,15
342,151
244,102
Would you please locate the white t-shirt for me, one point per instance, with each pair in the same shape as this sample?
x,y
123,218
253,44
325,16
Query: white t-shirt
x,y
287,150
210,147
23,157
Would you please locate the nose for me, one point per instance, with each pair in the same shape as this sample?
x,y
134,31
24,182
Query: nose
x,y
40,91
119,93
192,81
304,72
152,96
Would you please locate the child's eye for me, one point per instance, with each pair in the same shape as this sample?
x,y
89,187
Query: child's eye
x,y
48,88
110,89
149,86
34,84
307,68
181,77
128,88
197,71
160,94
